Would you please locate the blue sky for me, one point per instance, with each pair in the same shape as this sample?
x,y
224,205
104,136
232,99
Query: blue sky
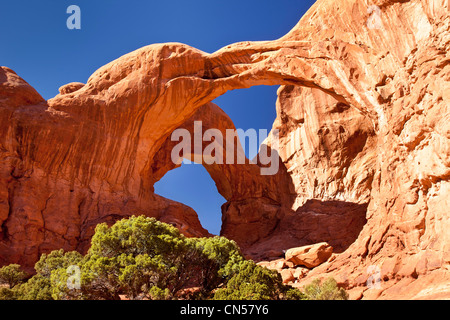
x,y
36,43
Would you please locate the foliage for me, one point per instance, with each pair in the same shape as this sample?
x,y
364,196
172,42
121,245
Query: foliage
x,y
157,293
12,275
7,294
328,290
253,282
37,287
55,260
142,258
218,260
135,236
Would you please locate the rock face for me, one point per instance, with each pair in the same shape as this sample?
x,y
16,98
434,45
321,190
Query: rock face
x,y
45,202
363,120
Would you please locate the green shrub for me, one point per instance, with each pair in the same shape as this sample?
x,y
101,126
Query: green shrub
x,y
328,290
12,275
143,258
37,287
7,294
55,260
253,282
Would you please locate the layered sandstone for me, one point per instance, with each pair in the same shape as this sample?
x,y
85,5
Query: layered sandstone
x,y
362,116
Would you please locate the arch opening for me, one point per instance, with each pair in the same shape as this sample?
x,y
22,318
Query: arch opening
x,y
195,185
192,185
259,211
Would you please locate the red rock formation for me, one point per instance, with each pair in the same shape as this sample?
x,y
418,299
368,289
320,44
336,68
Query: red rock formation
x,y
310,256
364,142
50,197
405,167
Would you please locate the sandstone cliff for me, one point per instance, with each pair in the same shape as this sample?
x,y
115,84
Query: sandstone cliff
x,y
363,116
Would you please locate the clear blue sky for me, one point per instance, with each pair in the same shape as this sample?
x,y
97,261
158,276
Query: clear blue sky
x,y
36,43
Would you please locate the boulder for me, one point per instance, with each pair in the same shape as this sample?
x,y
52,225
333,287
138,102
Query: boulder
x,y
287,275
278,264
310,256
300,272
70,87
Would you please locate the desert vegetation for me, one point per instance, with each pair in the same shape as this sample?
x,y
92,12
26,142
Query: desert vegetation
x,y
141,258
